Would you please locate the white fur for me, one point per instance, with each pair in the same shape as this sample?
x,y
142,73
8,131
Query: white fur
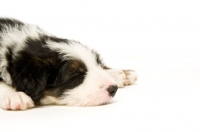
x,y
93,90
12,37
12,100
123,77
49,100
75,50
131,76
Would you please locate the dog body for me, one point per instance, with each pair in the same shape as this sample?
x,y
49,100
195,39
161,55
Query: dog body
x,y
37,68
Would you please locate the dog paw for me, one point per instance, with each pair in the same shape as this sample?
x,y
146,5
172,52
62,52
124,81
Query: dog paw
x,y
123,77
17,101
131,76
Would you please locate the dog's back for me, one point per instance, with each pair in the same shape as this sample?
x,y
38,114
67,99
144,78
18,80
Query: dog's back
x,y
37,68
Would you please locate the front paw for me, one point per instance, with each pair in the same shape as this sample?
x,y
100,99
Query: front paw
x,y
17,101
131,76
123,77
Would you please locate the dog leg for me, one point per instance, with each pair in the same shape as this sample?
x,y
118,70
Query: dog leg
x,y
12,100
123,77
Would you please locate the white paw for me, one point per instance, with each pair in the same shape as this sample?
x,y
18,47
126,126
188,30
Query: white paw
x,y
123,77
131,76
17,101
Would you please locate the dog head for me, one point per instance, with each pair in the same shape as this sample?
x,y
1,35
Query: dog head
x,y
52,70
80,79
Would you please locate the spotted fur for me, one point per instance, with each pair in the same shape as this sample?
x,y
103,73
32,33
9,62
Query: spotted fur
x,y
37,68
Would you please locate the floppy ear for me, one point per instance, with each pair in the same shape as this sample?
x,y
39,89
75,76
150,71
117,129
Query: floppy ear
x,y
31,80
30,69
68,75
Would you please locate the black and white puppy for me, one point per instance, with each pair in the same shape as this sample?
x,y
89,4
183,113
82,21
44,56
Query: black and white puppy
x,y
37,68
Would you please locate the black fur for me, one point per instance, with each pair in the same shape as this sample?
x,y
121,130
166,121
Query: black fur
x,y
9,22
39,71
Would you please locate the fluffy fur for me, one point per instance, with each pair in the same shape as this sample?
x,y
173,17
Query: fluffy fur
x,y
37,68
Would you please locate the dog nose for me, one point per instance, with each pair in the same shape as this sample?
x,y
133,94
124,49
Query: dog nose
x,y
112,89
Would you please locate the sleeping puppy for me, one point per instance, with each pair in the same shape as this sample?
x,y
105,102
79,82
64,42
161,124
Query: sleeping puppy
x,y
37,68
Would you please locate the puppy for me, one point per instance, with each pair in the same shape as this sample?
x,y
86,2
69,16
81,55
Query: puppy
x,y
37,68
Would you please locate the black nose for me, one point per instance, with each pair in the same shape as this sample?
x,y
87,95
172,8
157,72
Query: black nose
x,y
112,89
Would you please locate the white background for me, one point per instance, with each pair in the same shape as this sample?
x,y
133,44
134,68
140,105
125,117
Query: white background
x,y
128,27
158,38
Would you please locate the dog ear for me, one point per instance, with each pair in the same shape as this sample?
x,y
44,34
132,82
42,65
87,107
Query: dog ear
x,y
31,80
30,67
67,75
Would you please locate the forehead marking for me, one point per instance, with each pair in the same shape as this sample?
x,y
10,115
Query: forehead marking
x,y
75,50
